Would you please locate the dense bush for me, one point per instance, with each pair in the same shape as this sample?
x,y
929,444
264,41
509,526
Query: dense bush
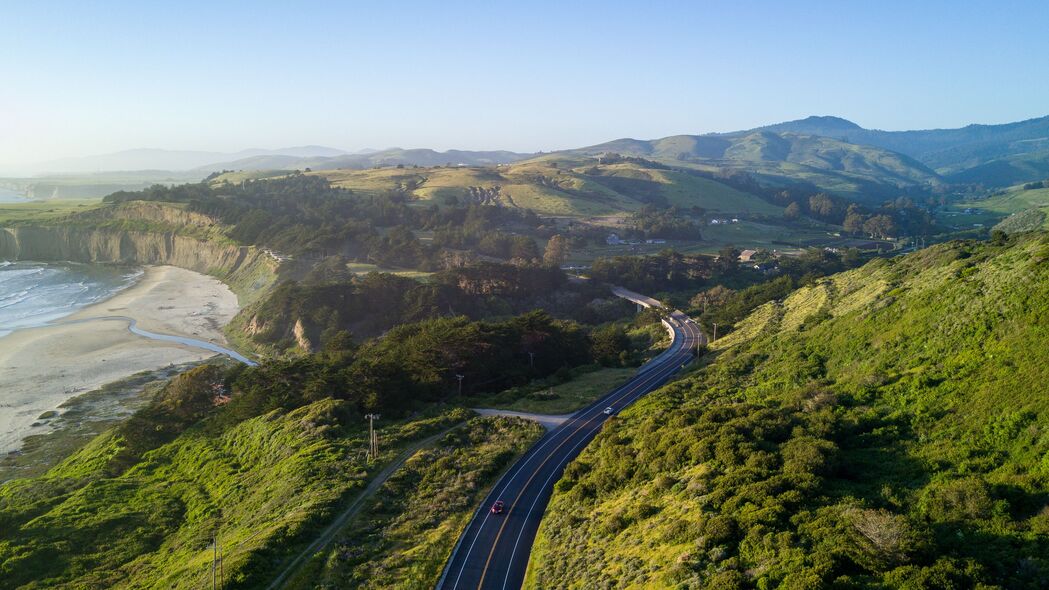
x,y
893,438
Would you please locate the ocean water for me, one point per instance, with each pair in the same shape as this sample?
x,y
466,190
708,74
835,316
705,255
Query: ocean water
x,y
33,294
10,196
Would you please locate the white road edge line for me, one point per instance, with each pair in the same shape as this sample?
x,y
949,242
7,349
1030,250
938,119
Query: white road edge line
x,y
513,554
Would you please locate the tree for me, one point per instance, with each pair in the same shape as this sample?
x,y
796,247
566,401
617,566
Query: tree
x,y
608,344
556,251
793,211
853,223
880,226
728,259
523,247
851,258
882,539
714,297
822,206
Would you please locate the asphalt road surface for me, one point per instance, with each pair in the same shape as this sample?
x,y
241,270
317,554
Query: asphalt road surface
x,y
493,550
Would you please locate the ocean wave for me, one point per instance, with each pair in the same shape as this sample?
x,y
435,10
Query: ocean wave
x,y
13,298
36,294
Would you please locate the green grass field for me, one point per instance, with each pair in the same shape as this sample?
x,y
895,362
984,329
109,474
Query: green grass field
x,y
243,175
563,398
561,186
745,234
44,211
363,268
1014,201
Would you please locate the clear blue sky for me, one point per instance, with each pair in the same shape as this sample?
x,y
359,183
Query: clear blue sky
x,y
90,77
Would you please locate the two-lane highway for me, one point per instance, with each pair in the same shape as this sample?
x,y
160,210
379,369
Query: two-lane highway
x,y
493,551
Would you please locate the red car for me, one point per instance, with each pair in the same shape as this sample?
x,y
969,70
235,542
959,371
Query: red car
x,y
497,508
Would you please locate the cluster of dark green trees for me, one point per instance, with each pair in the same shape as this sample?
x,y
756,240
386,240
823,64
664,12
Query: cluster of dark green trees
x,y
669,223
724,306
305,214
900,216
669,271
418,363
666,271
306,314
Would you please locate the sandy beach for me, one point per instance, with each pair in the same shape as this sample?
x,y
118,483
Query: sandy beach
x,y
42,367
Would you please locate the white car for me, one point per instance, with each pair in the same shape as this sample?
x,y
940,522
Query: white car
x,y
609,410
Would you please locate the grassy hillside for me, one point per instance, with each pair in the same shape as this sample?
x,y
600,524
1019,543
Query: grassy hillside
x,y
406,532
992,155
44,211
880,428
578,186
138,506
851,170
1015,209
1006,170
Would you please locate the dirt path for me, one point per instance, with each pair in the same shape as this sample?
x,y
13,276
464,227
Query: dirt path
x,y
547,421
329,533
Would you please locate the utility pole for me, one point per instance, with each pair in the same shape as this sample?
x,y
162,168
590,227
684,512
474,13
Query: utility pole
x,y
214,561
460,378
373,439
715,332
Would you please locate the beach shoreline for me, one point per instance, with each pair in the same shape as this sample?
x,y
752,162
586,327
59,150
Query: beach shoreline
x,y
43,367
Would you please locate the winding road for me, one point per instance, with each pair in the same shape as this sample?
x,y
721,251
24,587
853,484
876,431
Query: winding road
x,y
493,550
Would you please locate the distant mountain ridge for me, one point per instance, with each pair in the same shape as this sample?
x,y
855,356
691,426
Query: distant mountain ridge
x,y
371,159
310,156
839,155
1006,153
827,152
176,160
785,158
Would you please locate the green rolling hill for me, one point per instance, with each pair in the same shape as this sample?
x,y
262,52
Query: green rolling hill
x,y
878,428
993,155
1005,171
558,185
851,170
1019,208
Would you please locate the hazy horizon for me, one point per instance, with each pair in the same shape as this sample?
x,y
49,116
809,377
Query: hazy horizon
x,y
479,77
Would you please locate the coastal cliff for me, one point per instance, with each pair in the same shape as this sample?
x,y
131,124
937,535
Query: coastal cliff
x,y
246,269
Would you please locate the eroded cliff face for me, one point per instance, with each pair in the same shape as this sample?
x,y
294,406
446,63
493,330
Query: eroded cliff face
x,y
79,244
154,212
246,269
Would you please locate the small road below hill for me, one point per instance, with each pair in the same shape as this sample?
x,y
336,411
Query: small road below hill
x,y
547,421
